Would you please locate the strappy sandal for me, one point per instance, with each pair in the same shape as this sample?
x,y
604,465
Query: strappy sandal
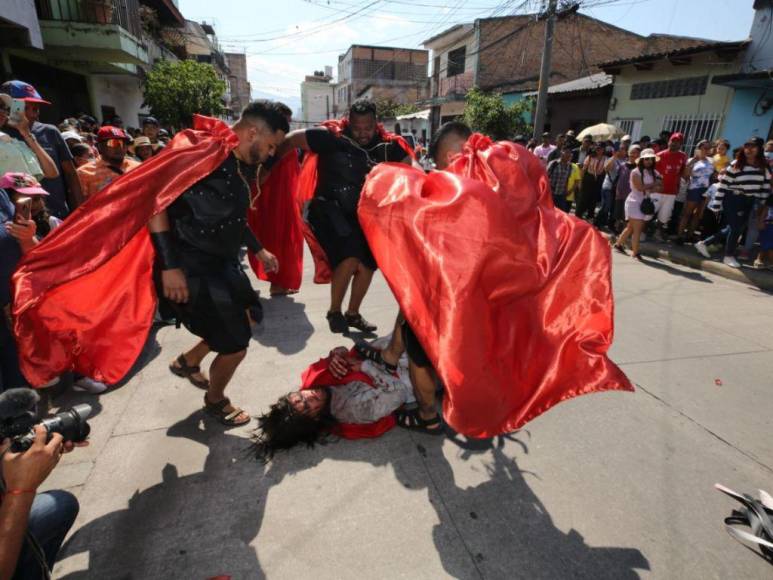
x,y
411,420
358,322
185,371
373,354
620,249
228,418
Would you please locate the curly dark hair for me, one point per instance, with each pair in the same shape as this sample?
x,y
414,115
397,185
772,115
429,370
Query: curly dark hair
x,y
283,428
363,107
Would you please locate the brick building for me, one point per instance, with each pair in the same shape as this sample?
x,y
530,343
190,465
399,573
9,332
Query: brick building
x,y
381,72
504,54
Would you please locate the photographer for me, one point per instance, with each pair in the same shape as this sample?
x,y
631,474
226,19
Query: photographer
x,y
33,526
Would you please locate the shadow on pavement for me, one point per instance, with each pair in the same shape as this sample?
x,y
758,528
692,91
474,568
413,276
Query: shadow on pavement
x,y
289,324
694,276
191,526
202,525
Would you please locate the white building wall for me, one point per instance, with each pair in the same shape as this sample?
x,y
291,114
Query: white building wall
x,y
123,92
317,101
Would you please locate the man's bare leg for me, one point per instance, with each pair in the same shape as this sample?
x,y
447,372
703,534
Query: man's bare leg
x,y
396,347
423,381
194,357
360,284
220,373
342,275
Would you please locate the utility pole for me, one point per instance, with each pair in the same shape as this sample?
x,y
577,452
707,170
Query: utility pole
x,y
544,73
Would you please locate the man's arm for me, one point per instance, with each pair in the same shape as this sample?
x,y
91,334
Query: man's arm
x,y
294,140
74,193
23,473
172,276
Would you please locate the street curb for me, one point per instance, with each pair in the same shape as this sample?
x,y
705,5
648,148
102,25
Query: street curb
x,y
687,256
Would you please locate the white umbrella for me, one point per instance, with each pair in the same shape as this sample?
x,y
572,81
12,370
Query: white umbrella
x,y
601,132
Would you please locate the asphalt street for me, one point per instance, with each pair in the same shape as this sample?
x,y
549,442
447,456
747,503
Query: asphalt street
x,y
612,485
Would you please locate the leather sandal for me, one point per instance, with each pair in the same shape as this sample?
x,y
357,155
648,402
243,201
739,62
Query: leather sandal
x,y
185,371
228,418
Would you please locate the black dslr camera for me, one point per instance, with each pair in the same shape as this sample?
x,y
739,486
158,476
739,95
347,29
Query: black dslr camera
x,y
18,417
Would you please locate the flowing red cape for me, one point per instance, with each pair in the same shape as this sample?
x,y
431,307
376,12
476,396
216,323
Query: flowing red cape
x,y
307,184
510,297
84,298
319,375
275,220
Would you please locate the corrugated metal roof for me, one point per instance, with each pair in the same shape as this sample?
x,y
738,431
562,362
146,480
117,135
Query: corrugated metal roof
x,y
704,47
589,83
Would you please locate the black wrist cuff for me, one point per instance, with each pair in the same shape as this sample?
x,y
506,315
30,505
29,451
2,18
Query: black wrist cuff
x,y
166,252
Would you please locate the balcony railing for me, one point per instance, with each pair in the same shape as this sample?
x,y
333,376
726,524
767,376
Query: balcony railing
x,y
124,13
457,85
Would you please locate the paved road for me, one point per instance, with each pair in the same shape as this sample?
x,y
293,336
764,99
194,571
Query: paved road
x,y
604,486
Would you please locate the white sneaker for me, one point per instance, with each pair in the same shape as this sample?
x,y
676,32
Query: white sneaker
x,y
90,386
731,261
702,249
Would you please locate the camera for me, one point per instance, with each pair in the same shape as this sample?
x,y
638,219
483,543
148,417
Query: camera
x,y
18,418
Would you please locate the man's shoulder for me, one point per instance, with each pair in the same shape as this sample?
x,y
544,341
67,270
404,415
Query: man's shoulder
x,y
89,168
130,164
39,128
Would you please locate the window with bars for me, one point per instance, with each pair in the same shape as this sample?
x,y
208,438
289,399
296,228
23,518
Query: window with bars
x,y
674,88
695,128
456,61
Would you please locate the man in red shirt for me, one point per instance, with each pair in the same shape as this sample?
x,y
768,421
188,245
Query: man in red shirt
x,y
671,166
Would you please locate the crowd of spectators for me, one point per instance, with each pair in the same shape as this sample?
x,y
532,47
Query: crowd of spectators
x,y
716,198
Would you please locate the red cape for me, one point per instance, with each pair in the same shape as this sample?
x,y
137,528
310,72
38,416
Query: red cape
x,y
84,298
275,220
510,297
319,375
307,184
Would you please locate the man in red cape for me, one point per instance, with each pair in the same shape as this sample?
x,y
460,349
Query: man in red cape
x,y
275,219
510,298
341,153
84,299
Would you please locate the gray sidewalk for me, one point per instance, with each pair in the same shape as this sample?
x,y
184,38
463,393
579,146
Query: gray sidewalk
x,y
603,486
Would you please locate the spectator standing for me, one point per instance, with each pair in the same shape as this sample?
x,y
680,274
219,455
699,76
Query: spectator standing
x,y
623,186
581,152
721,159
141,148
559,171
765,258
746,180
769,154
560,144
112,162
26,156
64,189
82,154
700,170
671,166
23,184
592,180
645,180
605,217
151,129
544,150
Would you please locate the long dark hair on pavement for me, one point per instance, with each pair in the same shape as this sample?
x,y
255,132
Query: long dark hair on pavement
x,y
283,428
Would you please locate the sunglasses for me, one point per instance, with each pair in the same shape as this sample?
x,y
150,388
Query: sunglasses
x,y
115,143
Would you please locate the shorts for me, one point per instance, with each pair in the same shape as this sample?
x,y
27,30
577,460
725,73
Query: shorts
x,y
339,234
219,294
696,195
416,353
664,206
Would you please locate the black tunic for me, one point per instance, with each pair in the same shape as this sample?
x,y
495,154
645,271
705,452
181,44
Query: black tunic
x,y
342,169
209,223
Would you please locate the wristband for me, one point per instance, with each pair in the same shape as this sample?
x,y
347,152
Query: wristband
x,y
166,252
19,491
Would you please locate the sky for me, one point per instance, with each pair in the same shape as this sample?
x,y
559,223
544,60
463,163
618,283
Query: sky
x,y
286,40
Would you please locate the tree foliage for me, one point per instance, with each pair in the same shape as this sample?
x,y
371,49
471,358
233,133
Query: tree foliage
x,y
175,90
390,109
488,113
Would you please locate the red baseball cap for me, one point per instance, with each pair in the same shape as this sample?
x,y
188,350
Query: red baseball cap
x,y
23,92
676,137
109,132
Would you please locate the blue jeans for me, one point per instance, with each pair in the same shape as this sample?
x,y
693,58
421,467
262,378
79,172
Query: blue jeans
x,y
604,216
51,517
737,210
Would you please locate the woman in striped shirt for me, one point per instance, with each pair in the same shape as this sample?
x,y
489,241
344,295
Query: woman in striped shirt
x,y
746,180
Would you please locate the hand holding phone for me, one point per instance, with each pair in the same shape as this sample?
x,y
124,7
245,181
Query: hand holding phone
x,y
23,209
